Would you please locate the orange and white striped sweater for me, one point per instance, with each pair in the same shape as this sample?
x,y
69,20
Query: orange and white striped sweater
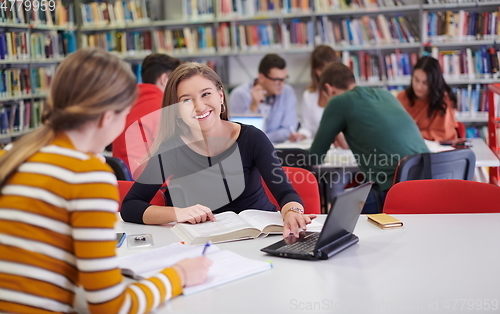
x,y
57,216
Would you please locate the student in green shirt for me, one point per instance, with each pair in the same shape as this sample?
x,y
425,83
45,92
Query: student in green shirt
x,y
377,128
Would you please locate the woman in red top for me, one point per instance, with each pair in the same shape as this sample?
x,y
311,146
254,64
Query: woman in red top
x,y
430,101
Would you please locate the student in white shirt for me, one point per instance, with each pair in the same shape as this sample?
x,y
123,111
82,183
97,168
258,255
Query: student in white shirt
x,y
312,104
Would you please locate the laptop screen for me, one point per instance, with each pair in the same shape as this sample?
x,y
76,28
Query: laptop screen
x,y
256,121
344,214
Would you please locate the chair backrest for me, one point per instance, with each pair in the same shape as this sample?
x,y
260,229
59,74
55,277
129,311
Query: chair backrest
x,y
442,197
124,187
306,185
461,130
294,157
120,168
453,164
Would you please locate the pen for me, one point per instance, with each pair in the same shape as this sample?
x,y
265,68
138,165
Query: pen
x,y
206,247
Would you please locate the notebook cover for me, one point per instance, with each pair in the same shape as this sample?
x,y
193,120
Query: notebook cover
x,y
384,221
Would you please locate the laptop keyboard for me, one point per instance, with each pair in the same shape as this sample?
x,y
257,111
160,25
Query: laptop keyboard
x,y
305,246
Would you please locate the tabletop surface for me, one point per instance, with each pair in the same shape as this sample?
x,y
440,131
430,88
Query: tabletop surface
x,y
433,264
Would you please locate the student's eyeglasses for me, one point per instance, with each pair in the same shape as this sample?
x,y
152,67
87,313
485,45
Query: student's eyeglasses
x,y
277,80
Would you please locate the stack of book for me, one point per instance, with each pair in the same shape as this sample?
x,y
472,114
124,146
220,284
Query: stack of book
x,y
393,68
20,116
14,46
188,40
126,44
52,45
336,5
460,26
114,14
367,31
466,63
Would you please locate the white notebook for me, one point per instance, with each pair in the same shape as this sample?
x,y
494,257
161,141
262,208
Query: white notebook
x,y
227,266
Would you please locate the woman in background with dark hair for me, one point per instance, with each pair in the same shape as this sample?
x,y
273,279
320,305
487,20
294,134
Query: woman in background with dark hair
x,y
430,101
313,102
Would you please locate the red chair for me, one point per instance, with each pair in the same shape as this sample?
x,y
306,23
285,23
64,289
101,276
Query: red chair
x,y
306,185
461,131
442,197
124,187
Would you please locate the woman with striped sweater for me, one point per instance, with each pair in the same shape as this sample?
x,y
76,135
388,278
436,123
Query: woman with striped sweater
x,y
58,201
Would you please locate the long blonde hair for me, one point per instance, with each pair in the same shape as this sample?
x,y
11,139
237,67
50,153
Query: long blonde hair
x,y
87,83
169,123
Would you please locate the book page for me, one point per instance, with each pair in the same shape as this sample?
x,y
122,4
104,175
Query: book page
x,y
261,218
157,259
226,222
228,266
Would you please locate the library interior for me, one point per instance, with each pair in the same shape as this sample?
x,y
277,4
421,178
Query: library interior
x,y
151,149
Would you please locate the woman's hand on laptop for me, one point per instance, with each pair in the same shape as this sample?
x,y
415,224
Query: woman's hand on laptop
x,y
294,221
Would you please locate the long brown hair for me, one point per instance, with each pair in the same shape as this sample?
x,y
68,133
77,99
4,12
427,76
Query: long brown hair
x,y
87,83
321,56
437,87
169,123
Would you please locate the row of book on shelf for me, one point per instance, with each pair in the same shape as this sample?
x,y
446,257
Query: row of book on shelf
x,y
136,43
367,30
457,65
24,46
203,9
468,64
41,12
457,1
472,101
20,116
115,13
22,82
244,37
477,132
461,26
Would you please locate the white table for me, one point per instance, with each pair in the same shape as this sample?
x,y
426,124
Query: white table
x,y
434,264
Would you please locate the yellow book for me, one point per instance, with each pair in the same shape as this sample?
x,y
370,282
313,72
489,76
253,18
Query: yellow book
x,y
384,221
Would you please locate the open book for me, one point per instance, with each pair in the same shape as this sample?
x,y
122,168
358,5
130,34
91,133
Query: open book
x,y
249,224
227,266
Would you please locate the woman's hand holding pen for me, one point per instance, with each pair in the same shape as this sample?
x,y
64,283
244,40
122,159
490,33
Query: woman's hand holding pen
x,y
194,214
296,137
193,271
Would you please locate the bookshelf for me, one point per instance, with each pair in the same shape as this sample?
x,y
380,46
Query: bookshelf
x,y
32,43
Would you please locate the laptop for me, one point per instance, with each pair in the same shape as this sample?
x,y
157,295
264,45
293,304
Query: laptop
x,y
336,234
255,120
